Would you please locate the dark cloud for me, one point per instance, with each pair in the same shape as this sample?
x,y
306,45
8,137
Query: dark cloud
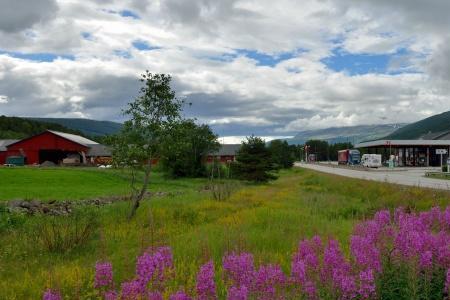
x,y
17,15
109,91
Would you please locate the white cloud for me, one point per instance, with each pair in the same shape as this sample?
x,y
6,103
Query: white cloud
x,y
197,43
3,99
240,139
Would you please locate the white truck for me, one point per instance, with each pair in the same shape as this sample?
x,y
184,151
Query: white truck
x,y
371,160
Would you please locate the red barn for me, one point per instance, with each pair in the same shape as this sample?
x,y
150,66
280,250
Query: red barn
x,y
50,146
226,153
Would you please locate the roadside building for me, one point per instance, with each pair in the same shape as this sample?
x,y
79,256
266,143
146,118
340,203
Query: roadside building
x,y
422,152
54,146
226,153
3,149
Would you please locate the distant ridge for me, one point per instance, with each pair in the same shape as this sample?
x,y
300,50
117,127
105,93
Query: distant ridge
x,y
19,128
432,125
352,134
86,126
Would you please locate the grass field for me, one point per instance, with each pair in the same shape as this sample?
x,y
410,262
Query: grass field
x,y
71,183
267,220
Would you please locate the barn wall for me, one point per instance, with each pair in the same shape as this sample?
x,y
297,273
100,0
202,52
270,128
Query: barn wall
x,y
45,141
2,157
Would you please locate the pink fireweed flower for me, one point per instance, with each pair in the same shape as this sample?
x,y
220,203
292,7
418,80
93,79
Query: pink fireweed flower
x,y
132,290
268,280
206,287
426,259
154,296
298,271
367,284
152,267
239,269
51,295
310,290
145,268
110,295
235,293
103,275
365,252
180,295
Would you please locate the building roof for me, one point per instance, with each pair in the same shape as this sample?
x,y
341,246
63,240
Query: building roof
x,y
74,138
4,143
227,150
98,150
387,143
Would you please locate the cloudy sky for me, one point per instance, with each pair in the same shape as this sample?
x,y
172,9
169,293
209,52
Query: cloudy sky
x,y
264,67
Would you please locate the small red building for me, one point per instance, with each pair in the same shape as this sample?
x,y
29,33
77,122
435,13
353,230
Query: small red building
x,y
52,146
226,153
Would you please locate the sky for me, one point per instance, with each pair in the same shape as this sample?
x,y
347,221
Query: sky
x,y
263,67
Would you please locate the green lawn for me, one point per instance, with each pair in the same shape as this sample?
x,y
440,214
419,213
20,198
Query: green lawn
x,y
267,220
70,183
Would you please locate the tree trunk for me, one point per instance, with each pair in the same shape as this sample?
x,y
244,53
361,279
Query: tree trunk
x,y
140,196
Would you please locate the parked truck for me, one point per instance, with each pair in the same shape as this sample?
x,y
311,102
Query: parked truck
x,y
349,157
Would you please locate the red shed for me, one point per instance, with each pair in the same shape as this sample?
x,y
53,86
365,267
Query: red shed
x,y
51,146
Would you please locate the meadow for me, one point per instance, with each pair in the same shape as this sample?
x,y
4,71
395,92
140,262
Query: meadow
x,y
267,220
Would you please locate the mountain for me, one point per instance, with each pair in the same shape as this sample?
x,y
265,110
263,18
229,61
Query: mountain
x,y
353,134
19,128
434,124
86,126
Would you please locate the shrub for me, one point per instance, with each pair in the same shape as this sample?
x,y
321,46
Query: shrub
x,y
63,233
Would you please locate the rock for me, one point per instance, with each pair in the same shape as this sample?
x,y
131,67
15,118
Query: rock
x,y
35,203
25,204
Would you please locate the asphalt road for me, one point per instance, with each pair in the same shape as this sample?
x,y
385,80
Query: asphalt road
x,y
404,176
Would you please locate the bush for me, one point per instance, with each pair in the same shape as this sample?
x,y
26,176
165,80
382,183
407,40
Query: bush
x,y
63,233
10,220
444,168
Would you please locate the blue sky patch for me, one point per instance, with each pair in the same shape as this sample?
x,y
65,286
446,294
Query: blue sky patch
x,y
39,57
86,35
122,53
143,45
128,13
359,64
264,59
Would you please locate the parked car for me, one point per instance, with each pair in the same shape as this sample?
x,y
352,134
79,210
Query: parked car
x,y
371,160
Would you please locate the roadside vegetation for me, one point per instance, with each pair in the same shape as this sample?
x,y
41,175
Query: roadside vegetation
x,y
267,220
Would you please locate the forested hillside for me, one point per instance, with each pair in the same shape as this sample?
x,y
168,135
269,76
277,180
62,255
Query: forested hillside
x,y
87,126
433,124
18,128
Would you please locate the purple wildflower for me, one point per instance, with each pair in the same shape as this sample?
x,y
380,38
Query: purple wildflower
x,y
239,269
298,271
426,259
154,296
267,280
51,295
310,289
235,293
367,284
180,295
132,289
206,287
110,295
103,275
